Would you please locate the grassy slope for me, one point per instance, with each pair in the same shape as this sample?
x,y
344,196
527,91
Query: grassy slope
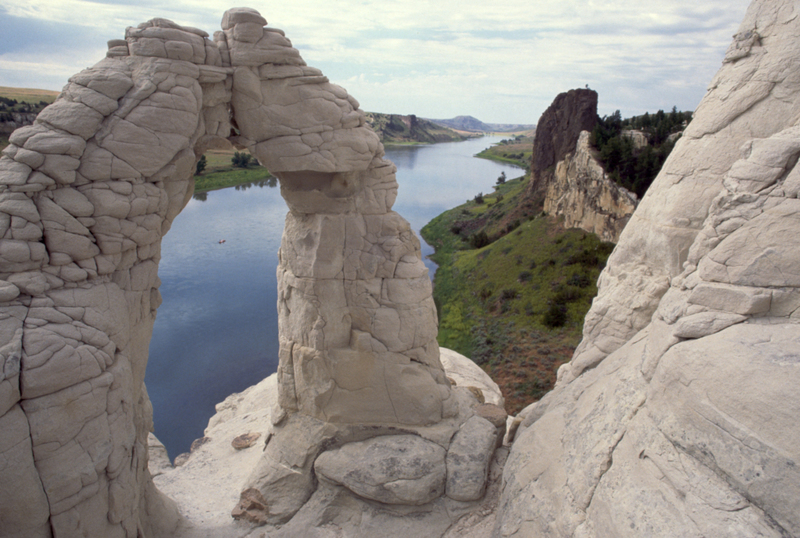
x,y
28,95
514,151
493,301
230,178
220,173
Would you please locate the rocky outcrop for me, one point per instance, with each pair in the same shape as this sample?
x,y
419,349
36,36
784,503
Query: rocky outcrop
x,y
556,135
638,138
211,478
86,194
678,414
567,180
582,193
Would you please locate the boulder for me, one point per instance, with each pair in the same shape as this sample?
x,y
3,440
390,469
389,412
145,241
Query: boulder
x,y
468,459
392,469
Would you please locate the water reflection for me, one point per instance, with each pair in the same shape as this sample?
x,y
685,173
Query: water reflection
x,y
269,182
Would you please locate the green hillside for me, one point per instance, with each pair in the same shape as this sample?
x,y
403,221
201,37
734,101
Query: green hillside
x,y
512,296
398,129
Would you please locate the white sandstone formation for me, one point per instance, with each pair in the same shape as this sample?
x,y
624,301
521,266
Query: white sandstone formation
x,y
210,480
582,193
86,194
679,414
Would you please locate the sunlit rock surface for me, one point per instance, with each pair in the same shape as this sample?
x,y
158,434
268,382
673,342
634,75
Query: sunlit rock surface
x,y
86,194
582,193
679,414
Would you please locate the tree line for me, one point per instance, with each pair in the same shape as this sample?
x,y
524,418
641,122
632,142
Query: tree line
x,y
631,167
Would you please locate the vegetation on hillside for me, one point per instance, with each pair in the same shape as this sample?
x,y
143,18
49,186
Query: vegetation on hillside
x,y
516,151
9,106
398,129
227,168
636,168
19,101
512,295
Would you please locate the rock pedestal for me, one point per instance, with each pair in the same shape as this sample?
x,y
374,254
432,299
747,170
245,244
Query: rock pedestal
x,y
86,194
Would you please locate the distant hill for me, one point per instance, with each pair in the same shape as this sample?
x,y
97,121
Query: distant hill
x,y
19,106
468,123
409,129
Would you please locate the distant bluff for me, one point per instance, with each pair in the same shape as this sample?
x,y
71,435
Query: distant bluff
x,y
567,180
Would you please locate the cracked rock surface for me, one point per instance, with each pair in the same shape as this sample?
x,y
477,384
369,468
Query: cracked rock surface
x,y
678,414
86,194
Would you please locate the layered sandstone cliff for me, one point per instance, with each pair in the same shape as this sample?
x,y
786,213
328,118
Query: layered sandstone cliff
x,y
679,412
582,193
567,180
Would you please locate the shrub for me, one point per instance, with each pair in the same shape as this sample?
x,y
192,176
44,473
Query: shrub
x,y
485,293
556,315
566,295
585,258
508,294
479,198
479,240
201,165
525,276
512,226
579,279
241,160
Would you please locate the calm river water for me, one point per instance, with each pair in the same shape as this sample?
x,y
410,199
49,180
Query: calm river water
x,y
217,331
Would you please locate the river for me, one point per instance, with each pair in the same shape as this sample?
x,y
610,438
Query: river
x,y
217,330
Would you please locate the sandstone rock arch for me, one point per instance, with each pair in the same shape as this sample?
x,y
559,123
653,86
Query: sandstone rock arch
x,y
86,194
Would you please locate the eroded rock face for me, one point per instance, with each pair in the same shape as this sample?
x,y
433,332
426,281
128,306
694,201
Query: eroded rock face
x,y
86,194
678,415
566,178
581,192
556,134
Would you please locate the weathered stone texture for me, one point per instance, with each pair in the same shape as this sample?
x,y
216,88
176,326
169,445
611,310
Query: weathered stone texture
x,y
86,194
556,133
583,194
678,414
567,180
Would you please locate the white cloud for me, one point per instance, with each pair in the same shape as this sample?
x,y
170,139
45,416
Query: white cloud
x,y
448,57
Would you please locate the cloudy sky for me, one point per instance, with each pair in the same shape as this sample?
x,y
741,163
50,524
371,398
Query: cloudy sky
x,y
497,61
